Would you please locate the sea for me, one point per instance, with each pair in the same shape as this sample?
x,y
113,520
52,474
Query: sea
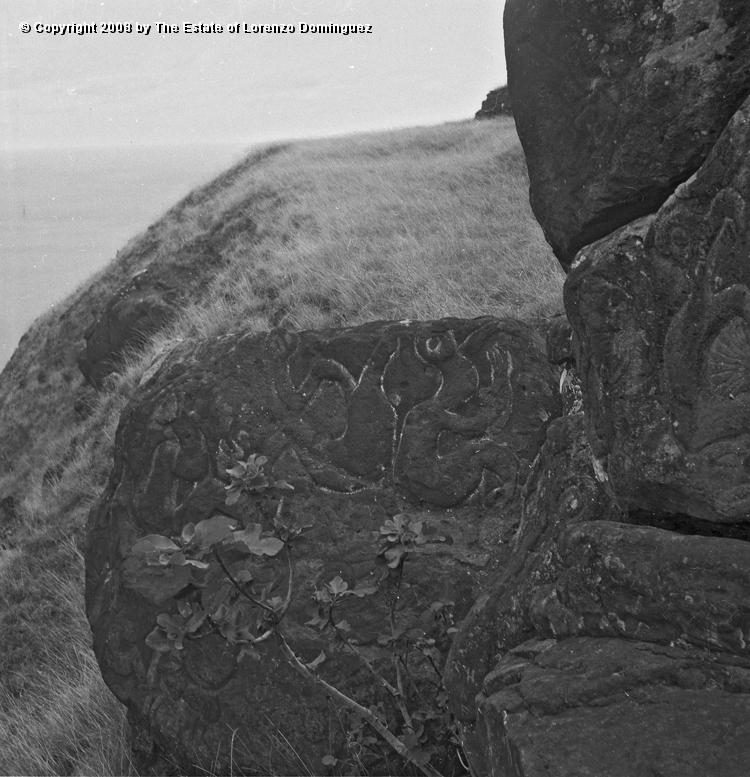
x,y
65,212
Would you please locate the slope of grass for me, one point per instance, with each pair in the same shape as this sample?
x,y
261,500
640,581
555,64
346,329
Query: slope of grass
x,y
417,223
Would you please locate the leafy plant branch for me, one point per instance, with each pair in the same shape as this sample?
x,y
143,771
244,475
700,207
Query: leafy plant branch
x,y
200,543
362,711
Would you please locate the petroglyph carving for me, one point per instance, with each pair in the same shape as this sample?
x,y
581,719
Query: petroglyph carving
x,y
662,312
729,360
365,423
423,412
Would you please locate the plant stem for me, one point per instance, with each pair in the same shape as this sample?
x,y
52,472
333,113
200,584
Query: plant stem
x,y
400,698
363,712
290,582
370,667
244,593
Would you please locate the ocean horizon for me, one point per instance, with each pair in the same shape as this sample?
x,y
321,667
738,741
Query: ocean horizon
x,y
65,212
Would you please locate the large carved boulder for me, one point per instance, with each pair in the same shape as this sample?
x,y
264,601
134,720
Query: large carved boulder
x,y
605,647
438,420
661,312
617,102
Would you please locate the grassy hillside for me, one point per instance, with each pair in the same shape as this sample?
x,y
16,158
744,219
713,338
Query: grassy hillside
x,y
418,223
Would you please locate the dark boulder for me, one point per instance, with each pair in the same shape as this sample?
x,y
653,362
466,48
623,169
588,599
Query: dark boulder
x,y
661,312
438,420
144,306
562,489
560,341
605,647
497,103
618,102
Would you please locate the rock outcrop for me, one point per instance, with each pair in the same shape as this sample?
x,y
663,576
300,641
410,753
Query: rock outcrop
x,y
143,306
617,638
604,647
617,103
439,420
661,310
497,103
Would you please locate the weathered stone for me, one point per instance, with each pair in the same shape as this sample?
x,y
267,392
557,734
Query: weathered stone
x,y
136,311
144,306
661,311
497,103
563,489
599,706
440,420
560,340
598,624
617,102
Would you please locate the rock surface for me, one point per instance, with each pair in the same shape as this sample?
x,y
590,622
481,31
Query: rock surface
x,y
617,638
599,706
143,306
605,647
440,420
661,311
497,103
617,102
562,489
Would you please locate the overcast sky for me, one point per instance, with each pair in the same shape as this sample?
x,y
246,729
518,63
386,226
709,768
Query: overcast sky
x,y
425,62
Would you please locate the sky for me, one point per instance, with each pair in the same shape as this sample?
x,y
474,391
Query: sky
x,y
425,62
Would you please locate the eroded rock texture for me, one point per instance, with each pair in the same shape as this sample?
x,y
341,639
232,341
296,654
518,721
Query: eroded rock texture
x,y
661,310
497,103
440,420
617,102
143,306
605,647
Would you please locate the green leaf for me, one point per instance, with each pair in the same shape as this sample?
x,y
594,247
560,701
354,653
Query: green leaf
x,y
317,661
283,485
195,563
419,756
343,626
337,586
238,471
172,624
188,532
185,609
317,621
152,558
178,559
323,596
394,555
329,760
233,494
212,530
257,544
410,740
362,589
154,542
196,621
256,460
157,640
